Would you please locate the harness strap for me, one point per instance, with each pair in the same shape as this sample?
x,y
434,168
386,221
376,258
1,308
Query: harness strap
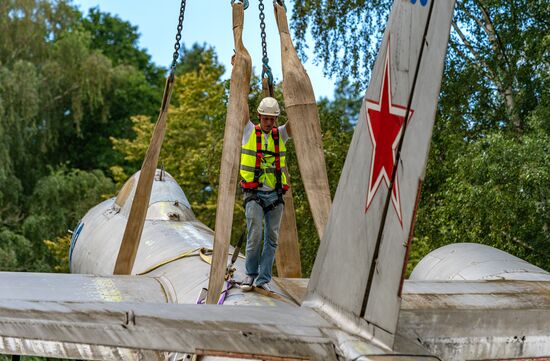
x,y
264,152
253,197
278,172
266,208
250,185
259,155
273,205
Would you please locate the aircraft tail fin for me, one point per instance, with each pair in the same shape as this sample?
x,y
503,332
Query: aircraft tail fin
x,y
360,265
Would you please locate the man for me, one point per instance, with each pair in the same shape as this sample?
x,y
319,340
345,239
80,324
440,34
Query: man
x,y
264,183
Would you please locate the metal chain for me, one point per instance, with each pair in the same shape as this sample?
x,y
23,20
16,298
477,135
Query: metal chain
x,y
266,69
178,38
261,7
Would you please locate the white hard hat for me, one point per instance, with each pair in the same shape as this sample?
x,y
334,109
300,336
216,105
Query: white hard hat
x,y
269,106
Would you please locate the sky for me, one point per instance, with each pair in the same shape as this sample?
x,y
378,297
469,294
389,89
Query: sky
x,y
206,21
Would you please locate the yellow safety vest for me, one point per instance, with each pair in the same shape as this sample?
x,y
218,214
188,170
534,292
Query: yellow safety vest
x,y
259,165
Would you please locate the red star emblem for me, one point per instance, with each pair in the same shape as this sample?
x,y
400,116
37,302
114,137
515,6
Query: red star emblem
x,y
385,121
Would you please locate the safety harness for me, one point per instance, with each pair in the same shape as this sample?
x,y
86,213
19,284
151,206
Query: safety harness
x,y
252,187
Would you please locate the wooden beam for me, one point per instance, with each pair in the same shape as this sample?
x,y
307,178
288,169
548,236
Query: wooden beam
x,y
303,117
287,258
134,227
237,116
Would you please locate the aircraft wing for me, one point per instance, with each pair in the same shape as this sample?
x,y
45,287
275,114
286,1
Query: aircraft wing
x,y
202,329
52,291
118,317
477,320
52,287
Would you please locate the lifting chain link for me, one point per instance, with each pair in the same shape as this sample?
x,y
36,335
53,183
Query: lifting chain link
x,y
266,69
261,7
178,38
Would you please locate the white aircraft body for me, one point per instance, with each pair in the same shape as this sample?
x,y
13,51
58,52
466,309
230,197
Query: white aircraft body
x,y
462,302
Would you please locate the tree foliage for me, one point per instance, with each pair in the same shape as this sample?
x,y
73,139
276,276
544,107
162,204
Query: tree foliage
x,y
63,91
191,151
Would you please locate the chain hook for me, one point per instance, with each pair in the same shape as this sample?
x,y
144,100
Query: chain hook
x,y
245,2
280,2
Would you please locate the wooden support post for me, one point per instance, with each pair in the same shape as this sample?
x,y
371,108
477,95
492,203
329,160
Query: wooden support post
x,y
134,227
303,116
287,258
237,116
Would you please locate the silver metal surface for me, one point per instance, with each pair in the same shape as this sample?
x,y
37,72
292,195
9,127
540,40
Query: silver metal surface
x,y
164,238
57,307
55,349
278,331
478,320
472,261
47,287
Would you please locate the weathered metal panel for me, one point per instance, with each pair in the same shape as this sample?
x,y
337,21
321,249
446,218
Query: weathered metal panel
x,y
383,303
472,261
97,247
277,331
79,288
162,240
478,320
16,346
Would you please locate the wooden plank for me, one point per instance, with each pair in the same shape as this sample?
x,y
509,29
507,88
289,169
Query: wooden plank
x,y
303,117
287,257
140,203
237,116
294,287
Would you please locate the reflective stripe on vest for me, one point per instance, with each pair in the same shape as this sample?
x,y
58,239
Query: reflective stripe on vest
x,y
258,163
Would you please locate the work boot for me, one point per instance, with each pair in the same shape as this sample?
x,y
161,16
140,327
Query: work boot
x,y
246,284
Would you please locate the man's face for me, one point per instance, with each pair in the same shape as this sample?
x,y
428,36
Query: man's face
x,y
267,122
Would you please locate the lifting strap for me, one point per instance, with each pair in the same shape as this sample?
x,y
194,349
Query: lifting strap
x,y
278,184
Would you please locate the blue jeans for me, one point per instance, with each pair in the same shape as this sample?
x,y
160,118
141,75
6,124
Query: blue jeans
x,y
259,262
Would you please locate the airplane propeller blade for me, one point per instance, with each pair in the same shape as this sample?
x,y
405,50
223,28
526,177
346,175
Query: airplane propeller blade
x,y
140,204
237,116
303,117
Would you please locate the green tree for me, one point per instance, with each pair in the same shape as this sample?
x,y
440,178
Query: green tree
x,y
64,88
498,41
118,40
191,151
